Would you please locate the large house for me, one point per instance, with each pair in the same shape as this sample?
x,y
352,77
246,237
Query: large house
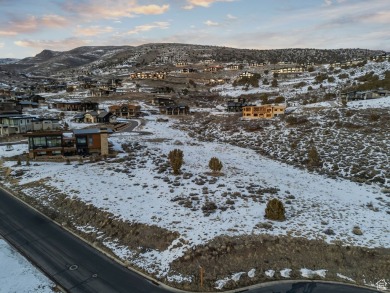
x,y
125,110
364,95
263,111
76,106
15,123
59,143
236,105
175,110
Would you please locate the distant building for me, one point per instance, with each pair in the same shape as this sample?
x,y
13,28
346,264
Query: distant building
x,y
125,110
236,105
263,112
175,110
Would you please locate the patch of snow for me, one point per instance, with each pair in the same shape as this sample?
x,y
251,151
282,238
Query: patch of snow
x,y
221,283
251,273
307,273
18,275
372,103
270,273
345,278
236,277
285,273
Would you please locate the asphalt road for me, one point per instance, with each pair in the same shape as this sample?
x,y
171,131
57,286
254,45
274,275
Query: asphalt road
x,y
310,287
78,267
70,262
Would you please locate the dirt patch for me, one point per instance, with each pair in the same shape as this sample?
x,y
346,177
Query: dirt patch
x,y
224,256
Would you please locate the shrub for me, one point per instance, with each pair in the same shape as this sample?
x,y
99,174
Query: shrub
x,y
275,210
314,159
215,164
357,231
176,160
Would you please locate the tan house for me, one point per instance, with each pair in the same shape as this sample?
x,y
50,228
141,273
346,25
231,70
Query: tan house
x,y
263,112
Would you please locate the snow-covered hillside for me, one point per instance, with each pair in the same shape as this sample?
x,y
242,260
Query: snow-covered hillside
x,y
315,204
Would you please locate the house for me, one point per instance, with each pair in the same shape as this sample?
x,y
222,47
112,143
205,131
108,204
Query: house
x,y
92,141
125,110
79,118
76,106
233,66
246,74
59,143
363,95
148,75
263,112
45,124
106,117
213,69
28,105
45,144
10,106
235,105
159,101
15,123
91,117
175,110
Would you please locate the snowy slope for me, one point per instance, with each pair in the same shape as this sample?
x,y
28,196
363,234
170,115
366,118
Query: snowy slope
x,y
141,195
17,275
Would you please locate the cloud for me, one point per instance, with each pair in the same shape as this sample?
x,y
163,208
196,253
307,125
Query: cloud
x,y
58,45
1,45
93,30
231,17
211,23
377,17
202,3
8,33
32,23
148,27
108,9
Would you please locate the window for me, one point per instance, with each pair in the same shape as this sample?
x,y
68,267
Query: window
x,y
81,140
39,142
53,142
90,140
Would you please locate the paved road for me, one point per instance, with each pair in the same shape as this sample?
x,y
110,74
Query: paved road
x,y
310,287
77,267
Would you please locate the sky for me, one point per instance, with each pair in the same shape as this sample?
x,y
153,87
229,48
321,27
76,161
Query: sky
x,y
29,26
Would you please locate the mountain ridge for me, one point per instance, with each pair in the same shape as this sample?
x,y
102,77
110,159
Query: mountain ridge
x,y
49,61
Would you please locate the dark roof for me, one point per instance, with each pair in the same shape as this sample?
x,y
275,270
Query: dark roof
x,y
103,114
48,133
89,131
79,116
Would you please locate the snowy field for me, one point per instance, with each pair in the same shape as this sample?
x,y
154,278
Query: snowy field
x,y
141,195
17,275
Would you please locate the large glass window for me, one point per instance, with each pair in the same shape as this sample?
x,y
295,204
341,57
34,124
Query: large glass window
x,y
53,142
39,142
